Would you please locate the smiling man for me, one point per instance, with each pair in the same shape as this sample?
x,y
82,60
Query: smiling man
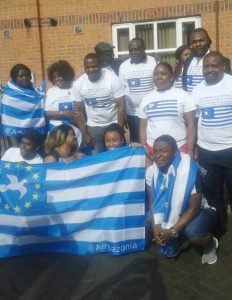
x,y
101,93
213,97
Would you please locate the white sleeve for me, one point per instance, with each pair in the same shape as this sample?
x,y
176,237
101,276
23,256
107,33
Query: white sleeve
x,y
117,88
141,113
48,101
76,89
188,102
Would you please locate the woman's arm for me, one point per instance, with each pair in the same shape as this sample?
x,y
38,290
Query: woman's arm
x,y
142,131
189,118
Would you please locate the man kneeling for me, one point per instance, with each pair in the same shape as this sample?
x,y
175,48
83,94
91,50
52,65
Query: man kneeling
x,y
179,210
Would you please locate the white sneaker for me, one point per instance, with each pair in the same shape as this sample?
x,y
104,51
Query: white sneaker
x,y
210,253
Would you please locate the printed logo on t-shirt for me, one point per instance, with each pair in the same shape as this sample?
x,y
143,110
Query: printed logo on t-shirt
x,y
140,85
166,108
217,116
98,102
66,106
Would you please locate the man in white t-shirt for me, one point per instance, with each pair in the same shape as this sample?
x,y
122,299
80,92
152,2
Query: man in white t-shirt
x,y
27,152
136,74
200,46
213,97
101,93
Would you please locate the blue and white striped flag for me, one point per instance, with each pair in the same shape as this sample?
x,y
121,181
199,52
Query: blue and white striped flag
x,y
92,205
164,108
22,110
140,85
217,116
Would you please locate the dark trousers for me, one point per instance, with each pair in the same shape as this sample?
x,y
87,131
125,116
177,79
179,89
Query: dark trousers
x,y
133,124
216,169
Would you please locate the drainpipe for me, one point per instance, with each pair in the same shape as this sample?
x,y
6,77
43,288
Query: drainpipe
x,y
40,40
216,10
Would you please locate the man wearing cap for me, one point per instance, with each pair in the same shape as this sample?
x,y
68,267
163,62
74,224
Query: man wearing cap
x,y
136,74
105,54
27,152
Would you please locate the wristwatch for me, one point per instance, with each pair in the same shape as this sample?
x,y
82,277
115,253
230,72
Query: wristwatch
x,y
174,233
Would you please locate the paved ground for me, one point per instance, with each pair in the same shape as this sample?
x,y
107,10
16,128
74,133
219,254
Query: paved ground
x,y
144,275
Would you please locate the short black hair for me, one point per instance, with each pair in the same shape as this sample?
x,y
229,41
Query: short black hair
x,y
139,40
215,53
200,29
15,70
92,55
168,139
117,128
63,68
166,65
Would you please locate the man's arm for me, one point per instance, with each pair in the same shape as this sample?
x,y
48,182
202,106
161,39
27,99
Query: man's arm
x,y
120,105
80,121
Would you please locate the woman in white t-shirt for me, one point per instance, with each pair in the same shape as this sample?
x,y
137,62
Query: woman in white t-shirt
x,y
59,108
167,110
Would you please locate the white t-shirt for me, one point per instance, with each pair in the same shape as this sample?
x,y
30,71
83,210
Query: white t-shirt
x,y
99,97
13,155
164,112
138,80
58,99
195,72
214,103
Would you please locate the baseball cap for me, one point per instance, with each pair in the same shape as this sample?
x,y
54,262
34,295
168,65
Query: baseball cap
x,y
102,46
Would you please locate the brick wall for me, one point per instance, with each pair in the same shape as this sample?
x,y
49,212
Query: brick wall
x,y
96,16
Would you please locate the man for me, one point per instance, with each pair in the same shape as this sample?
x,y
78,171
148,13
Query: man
x,y
105,54
177,204
200,45
101,93
137,75
27,152
213,97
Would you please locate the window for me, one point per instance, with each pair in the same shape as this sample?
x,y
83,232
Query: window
x,y
161,37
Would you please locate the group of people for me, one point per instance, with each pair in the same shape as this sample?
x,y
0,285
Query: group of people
x,y
181,115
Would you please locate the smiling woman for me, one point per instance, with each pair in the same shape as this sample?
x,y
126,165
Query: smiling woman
x,y
59,107
167,110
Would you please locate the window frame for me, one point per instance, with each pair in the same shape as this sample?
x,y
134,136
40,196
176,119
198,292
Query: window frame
x,y
131,27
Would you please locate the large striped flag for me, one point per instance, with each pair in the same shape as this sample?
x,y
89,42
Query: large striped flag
x,y
92,205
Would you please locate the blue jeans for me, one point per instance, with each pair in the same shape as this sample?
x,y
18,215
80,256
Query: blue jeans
x,y
202,224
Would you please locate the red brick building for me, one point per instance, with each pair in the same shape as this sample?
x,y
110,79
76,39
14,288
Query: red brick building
x,y
38,32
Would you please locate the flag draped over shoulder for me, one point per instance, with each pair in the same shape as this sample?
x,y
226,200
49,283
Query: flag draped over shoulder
x,y
22,110
92,205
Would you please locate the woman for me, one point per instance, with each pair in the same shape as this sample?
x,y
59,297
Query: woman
x,y
114,137
59,108
182,53
22,106
175,202
167,110
61,145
